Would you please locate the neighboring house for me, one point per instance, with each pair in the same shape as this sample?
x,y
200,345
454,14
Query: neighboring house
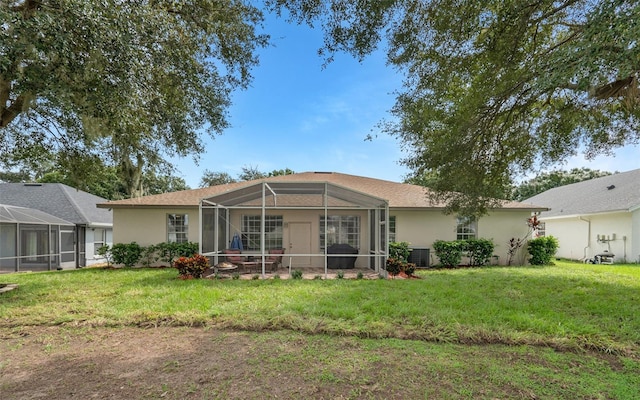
x,y
93,227
595,216
32,240
306,212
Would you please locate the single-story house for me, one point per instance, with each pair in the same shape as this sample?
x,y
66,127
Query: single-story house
x,y
305,213
598,216
93,227
32,240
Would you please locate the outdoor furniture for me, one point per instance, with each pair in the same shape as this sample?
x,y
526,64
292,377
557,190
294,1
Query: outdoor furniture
x,y
603,258
233,256
344,260
274,258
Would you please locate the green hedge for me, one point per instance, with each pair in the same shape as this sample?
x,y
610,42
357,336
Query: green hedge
x,y
450,253
542,250
130,254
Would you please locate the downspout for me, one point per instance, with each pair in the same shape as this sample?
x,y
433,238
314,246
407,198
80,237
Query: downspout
x,y
588,221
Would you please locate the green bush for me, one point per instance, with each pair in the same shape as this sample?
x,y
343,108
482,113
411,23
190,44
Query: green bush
x,y
149,255
449,252
296,274
479,251
105,251
542,250
128,254
169,251
399,251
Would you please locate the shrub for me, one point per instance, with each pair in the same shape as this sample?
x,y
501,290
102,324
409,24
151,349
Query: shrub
x,y
105,251
169,251
449,252
409,268
296,274
149,255
542,250
399,251
127,254
340,274
192,266
479,251
394,266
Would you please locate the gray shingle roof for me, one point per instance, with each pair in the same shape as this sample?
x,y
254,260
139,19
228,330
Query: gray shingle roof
x,y
617,192
57,199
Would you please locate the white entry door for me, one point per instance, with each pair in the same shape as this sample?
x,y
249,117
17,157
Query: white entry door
x,y
300,243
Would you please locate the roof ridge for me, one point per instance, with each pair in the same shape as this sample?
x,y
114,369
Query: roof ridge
x,y
72,200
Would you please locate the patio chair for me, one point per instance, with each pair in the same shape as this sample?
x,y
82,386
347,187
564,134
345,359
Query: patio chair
x,y
233,256
274,258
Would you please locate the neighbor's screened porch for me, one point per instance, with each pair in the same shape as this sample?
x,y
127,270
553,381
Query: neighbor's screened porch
x,y
31,240
268,214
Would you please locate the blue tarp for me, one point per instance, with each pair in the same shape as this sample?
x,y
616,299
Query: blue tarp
x,y
236,243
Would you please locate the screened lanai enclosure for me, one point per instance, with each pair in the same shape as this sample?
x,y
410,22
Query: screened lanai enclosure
x,y
31,240
309,220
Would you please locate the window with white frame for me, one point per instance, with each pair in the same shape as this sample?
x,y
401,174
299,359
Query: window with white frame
x,y
392,228
466,228
340,229
99,239
177,228
251,232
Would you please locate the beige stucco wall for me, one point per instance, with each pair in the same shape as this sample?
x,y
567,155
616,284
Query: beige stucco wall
x,y
418,227
578,235
149,225
421,228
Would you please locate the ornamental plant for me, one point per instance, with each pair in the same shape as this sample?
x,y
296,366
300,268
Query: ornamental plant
x,y
193,266
394,266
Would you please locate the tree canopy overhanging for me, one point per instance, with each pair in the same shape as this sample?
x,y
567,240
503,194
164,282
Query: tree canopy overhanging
x,y
496,89
493,89
130,81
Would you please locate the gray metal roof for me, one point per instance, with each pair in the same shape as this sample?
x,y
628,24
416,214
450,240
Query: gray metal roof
x,y
617,192
24,215
57,199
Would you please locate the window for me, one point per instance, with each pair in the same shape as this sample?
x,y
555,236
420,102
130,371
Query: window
x,y
340,229
466,228
177,228
392,228
251,232
99,239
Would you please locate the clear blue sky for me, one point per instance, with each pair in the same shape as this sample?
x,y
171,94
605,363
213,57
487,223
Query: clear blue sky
x,y
300,116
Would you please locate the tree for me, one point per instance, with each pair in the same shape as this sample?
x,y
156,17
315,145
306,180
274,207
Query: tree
x,y
126,82
14,177
211,178
495,89
549,180
250,173
280,172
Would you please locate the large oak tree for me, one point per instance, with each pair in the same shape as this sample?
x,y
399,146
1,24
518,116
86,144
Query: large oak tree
x,y
496,89
132,82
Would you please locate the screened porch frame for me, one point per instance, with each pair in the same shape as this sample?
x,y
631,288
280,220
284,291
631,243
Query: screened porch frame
x,y
264,196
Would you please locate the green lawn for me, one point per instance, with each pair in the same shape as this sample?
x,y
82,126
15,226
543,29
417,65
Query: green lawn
x,y
560,313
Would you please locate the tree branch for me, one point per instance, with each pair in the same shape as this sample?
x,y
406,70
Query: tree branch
x,y
10,113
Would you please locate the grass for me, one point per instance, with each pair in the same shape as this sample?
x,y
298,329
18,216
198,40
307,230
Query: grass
x,y
557,316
